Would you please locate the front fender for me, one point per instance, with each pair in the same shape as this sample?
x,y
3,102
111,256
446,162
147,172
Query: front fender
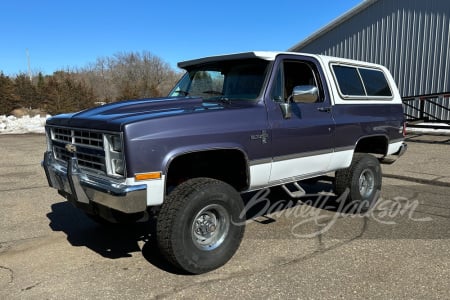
x,y
174,153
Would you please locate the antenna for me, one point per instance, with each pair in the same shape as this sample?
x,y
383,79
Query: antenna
x,y
29,68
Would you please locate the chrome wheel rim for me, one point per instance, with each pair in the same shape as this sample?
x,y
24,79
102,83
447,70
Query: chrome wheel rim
x,y
210,227
366,183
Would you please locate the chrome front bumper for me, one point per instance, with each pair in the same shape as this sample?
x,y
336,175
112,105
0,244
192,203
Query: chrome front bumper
x,y
84,188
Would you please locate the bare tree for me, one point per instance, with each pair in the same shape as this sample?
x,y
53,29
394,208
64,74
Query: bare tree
x,y
126,75
130,75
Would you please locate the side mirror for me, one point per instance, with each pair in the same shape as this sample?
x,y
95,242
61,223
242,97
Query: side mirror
x,y
300,94
304,93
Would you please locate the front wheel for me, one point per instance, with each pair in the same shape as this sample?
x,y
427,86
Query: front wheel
x,y
362,181
199,226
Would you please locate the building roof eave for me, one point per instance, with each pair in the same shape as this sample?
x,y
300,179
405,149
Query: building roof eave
x,y
333,24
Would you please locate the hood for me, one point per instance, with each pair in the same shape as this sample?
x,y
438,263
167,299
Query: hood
x,y
113,116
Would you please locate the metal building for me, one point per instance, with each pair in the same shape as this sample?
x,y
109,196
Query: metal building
x,y
410,37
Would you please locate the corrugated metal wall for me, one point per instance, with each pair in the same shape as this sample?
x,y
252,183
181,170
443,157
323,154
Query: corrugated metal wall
x,y
411,38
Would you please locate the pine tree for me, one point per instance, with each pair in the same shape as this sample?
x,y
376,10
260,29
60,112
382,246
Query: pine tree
x,y
25,91
8,100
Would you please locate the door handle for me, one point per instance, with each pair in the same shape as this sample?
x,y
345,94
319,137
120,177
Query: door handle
x,y
324,109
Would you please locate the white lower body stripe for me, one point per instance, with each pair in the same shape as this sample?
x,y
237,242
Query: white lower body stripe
x,y
281,171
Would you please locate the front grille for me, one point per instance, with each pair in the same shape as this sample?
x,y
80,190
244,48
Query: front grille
x,y
78,137
89,152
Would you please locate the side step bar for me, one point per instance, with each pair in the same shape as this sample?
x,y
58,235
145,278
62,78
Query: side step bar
x,y
299,191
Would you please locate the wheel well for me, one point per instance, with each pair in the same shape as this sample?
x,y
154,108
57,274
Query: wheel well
x,y
373,144
229,166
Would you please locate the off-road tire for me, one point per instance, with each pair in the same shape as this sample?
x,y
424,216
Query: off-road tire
x,y
199,226
362,181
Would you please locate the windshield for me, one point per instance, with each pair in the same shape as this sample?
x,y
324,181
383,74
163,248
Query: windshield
x,y
223,80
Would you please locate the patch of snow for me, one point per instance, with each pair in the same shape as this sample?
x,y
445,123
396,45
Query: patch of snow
x,y
26,124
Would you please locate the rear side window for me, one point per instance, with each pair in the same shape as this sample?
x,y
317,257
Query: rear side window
x,y
361,82
375,82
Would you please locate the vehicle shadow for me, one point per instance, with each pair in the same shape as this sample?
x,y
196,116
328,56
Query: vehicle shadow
x,y
110,241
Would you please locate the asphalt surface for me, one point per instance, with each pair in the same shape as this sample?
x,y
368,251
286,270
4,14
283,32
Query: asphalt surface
x,y
311,249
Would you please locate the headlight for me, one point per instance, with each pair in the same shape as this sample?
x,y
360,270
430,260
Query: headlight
x,y
116,143
118,167
114,155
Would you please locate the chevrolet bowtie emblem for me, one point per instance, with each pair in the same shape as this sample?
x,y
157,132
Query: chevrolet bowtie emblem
x,y
71,148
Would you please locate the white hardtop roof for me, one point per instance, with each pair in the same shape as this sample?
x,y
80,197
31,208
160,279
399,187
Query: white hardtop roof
x,y
269,56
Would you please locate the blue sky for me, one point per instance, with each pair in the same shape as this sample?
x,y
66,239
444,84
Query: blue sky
x,y
67,34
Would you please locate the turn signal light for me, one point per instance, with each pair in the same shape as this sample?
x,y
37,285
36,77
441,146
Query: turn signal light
x,y
147,176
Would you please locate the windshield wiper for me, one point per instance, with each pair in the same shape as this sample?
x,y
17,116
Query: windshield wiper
x,y
212,92
221,100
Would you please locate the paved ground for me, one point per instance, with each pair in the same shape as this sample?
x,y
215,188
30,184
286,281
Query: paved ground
x,y
49,250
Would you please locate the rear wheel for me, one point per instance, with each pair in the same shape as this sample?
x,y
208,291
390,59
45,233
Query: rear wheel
x,y
199,226
362,181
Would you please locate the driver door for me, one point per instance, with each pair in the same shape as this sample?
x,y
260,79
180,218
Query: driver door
x,y
301,144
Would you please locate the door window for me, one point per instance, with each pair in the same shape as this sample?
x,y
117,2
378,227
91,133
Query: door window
x,y
292,74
